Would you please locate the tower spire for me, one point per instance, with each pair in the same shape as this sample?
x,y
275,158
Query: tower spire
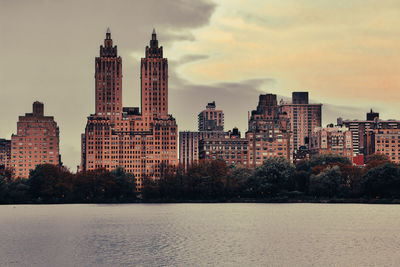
x,y
108,33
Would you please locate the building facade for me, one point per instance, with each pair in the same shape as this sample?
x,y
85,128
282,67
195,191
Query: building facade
x,y
230,148
117,136
360,128
36,142
189,145
211,119
269,132
383,141
332,140
304,118
5,153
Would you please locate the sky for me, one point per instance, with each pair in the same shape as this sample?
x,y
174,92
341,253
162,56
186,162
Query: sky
x,y
345,53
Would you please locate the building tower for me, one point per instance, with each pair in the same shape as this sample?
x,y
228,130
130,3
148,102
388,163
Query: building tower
x,y
108,81
154,81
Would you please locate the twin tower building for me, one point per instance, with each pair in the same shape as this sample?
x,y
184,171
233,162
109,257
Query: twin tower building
x,y
140,141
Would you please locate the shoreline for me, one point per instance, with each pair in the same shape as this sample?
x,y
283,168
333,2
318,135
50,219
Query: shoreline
x,y
229,201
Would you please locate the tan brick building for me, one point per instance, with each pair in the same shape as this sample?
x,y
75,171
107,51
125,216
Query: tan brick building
x,y
383,141
36,142
332,140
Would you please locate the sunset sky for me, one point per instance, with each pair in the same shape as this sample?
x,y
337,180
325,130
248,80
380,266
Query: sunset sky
x,y
346,53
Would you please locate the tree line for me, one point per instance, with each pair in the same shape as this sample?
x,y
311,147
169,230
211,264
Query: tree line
x,y
326,177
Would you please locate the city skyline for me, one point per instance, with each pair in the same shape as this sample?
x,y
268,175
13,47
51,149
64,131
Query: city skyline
x,y
67,89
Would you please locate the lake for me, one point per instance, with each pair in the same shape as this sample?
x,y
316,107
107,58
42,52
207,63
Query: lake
x,y
200,235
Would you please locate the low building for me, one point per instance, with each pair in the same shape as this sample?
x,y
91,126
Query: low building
x,y
332,140
231,148
189,145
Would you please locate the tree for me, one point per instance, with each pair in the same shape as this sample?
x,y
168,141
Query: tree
x,y
50,183
377,157
382,181
95,186
237,180
326,183
273,176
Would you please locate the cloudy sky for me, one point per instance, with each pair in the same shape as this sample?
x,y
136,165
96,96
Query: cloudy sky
x,y
346,53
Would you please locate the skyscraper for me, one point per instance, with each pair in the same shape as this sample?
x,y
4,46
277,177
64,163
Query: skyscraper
x,y
36,142
116,136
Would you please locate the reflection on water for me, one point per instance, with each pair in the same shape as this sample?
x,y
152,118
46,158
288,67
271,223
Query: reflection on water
x,y
200,234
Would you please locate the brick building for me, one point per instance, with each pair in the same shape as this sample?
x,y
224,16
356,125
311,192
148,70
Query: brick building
x,y
211,119
189,145
383,141
231,148
332,140
360,128
304,118
117,136
5,152
36,142
269,133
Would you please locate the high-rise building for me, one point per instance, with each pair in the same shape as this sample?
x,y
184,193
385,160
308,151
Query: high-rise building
x,y
36,142
5,152
269,133
304,118
332,140
211,119
116,136
360,128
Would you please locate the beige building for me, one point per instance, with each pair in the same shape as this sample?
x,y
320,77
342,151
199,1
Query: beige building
x,y
332,140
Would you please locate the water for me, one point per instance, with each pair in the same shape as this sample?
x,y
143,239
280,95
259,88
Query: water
x,y
200,235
